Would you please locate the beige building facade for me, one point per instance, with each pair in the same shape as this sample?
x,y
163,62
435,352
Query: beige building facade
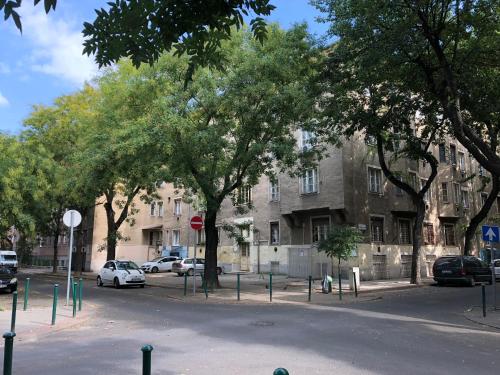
x,y
288,216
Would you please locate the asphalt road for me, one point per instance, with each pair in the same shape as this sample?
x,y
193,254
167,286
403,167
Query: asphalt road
x,y
421,331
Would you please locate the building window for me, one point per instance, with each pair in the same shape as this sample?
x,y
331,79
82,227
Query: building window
x,y
498,205
160,209
428,234
244,195
377,229
442,153
428,194
152,209
200,237
456,193
412,180
449,234
397,189
465,198
274,191
483,198
461,161
275,233
176,237
310,181
307,140
404,232
370,140
444,192
453,155
177,207
320,229
374,180
480,170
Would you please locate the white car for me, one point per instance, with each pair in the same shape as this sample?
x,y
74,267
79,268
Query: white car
x,y
161,264
121,273
496,263
186,266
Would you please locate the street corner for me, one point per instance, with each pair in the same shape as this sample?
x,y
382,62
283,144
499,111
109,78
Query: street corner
x,y
489,318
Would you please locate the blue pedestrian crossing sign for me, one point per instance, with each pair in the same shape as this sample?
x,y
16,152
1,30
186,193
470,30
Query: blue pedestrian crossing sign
x,y
491,233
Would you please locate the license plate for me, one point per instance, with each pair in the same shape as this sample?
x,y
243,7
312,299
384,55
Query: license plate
x,y
445,271
136,279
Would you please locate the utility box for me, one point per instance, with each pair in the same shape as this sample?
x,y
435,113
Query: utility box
x,y
354,275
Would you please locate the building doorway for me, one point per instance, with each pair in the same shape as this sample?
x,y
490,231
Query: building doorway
x,y
245,256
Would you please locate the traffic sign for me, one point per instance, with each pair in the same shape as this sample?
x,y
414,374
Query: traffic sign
x,y
72,218
491,233
196,222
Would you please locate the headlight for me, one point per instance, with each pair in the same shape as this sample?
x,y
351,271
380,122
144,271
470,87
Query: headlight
x,y
12,281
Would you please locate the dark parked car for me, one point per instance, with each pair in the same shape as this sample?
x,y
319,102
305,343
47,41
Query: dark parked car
x,y
459,268
8,281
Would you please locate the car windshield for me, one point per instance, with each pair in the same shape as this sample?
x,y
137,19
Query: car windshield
x,y
156,259
9,257
448,262
127,266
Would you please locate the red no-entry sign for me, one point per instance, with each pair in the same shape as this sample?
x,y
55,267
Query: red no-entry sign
x,y
196,222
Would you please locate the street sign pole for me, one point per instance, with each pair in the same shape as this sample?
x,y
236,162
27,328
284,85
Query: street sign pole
x,y
196,223
70,253
493,278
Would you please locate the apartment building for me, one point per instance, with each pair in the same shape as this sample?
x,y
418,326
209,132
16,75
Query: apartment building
x,y
291,214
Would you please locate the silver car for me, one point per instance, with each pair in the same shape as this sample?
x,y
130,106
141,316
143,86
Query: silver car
x,y
186,266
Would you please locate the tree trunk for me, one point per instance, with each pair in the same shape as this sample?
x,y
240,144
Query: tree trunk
x,y
212,240
55,247
80,244
480,216
340,281
417,240
111,238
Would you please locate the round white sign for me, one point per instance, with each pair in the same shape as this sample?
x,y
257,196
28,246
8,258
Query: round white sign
x,y
67,218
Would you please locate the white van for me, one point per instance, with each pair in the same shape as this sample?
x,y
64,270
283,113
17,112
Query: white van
x,y
8,259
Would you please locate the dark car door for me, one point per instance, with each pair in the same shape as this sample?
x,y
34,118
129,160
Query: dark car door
x,y
478,269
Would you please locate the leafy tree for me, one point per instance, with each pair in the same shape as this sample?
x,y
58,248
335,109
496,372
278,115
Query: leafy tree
x,y
10,9
121,158
59,130
230,127
445,49
340,242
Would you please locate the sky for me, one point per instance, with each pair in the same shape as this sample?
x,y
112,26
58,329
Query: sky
x,y
46,61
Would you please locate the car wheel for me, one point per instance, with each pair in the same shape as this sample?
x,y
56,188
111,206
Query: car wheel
x,y
179,274
219,271
142,286
470,281
99,281
116,283
190,272
440,283
12,289
154,269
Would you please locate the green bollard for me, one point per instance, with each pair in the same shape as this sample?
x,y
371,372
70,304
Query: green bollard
x,y
54,303
310,285
26,293
355,285
204,285
146,359
340,288
74,299
238,285
483,293
80,292
281,371
8,351
14,310
270,287
185,284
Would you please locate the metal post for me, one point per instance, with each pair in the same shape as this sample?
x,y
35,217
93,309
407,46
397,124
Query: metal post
x,y
281,371
26,293
310,285
146,359
238,285
340,287
355,285
80,287
14,310
70,253
483,292
493,282
54,303
204,285
185,284
8,351
74,299
270,287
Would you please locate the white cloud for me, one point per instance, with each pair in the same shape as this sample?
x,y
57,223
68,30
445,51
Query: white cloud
x,y
57,46
3,101
4,68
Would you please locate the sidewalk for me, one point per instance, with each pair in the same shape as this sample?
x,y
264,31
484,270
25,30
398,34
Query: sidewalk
x,y
475,314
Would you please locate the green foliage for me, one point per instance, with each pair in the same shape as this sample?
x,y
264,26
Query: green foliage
x,y
340,242
143,30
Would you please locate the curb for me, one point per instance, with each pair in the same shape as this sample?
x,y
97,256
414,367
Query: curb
x,y
476,320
